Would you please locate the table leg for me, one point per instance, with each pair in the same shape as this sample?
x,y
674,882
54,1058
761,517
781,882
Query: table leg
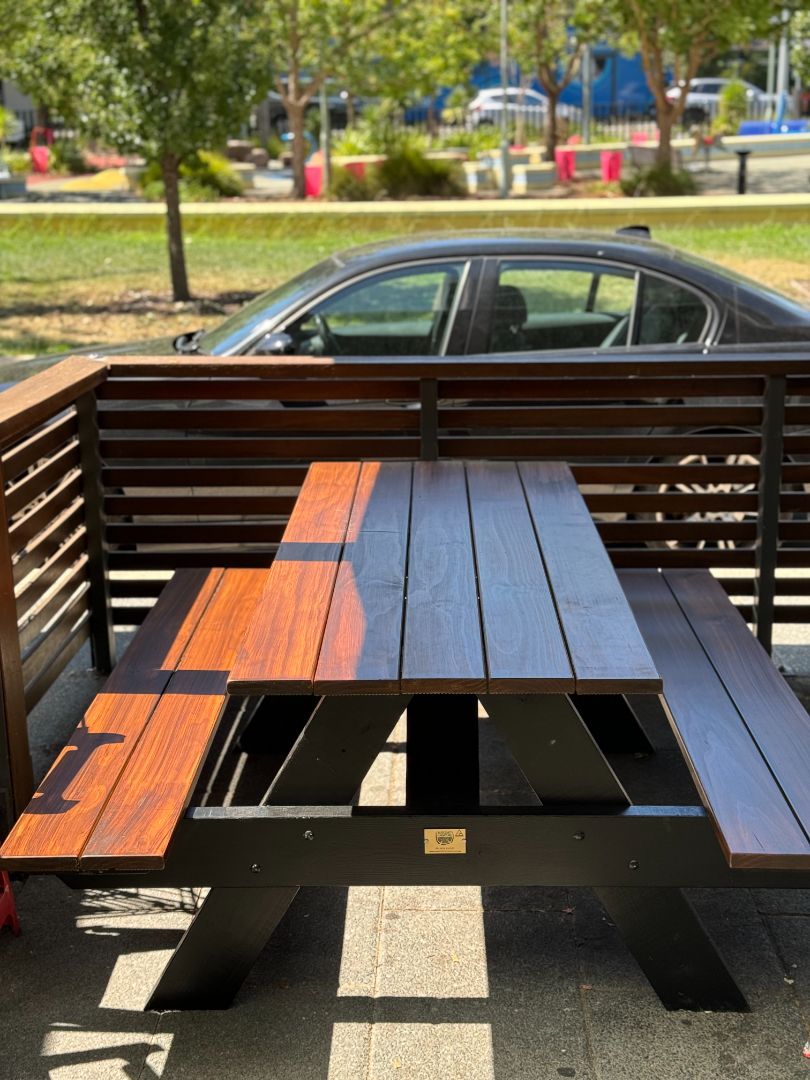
x,y
442,765
613,723
276,723
325,767
563,763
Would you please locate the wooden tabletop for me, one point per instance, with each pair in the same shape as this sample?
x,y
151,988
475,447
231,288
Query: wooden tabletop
x,y
442,577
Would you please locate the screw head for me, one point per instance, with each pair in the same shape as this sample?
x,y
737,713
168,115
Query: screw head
x,y
579,835
633,864
255,868
309,835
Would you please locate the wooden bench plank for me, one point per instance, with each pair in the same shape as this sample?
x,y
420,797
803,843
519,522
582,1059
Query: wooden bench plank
x,y
362,641
136,826
442,650
755,825
777,720
52,831
607,651
523,640
281,647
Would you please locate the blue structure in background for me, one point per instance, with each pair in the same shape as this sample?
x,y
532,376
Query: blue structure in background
x,y
619,87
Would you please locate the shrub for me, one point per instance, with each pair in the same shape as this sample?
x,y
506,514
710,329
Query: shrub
x,y
659,179
18,161
346,186
275,147
204,177
68,157
407,172
732,110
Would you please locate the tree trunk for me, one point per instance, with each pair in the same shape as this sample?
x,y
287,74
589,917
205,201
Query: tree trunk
x,y
666,119
351,111
432,126
551,126
170,167
296,117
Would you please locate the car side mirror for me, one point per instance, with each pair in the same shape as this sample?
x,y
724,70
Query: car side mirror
x,y
276,343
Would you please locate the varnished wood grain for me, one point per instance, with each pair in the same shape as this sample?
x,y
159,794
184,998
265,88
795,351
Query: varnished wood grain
x,y
137,823
43,395
754,822
523,642
54,828
776,719
362,641
442,649
606,649
280,651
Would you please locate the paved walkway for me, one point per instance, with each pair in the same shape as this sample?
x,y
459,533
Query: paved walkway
x,y
416,983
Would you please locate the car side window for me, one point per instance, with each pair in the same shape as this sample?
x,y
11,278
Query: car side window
x,y
404,312
670,314
544,305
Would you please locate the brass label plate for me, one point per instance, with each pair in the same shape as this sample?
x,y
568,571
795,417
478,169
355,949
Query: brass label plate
x,y
445,841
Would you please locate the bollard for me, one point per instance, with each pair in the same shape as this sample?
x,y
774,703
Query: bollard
x,y
741,174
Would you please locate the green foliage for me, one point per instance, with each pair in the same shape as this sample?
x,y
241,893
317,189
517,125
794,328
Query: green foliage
x,y
800,45
205,176
484,138
407,172
18,161
732,110
7,123
376,132
348,187
68,157
275,147
660,179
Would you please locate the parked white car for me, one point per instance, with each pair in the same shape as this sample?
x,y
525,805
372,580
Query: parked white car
x,y
487,107
703,98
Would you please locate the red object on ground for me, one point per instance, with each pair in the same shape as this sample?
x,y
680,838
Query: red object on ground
x,y
313,180
611,163
39,148
8,909
565,158
574,140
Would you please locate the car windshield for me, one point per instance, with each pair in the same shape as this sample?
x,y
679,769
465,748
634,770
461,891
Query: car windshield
x,y
231,333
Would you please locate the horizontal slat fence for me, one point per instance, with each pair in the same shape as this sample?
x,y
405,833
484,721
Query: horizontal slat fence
x,y
169,463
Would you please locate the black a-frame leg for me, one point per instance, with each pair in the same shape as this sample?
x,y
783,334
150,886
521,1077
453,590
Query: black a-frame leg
x,y
325,767
563,763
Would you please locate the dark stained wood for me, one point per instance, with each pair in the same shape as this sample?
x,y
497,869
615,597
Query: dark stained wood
x,y
776,719
168,389
29,591
46,544
617,389
52,831
363,636
174,505
51,605
43,442
218,477
606,649
280,650
42,396
754,823
197,532
38,516
262,419
442,619
595,446
594,416
642,473
523,641
283,446
44,476
59,652
139,818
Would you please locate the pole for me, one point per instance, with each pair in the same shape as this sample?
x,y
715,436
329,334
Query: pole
x,y
505,169
587,102
770,85
782,67
325,143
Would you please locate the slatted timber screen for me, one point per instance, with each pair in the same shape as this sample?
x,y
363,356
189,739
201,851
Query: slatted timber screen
x,y
202,467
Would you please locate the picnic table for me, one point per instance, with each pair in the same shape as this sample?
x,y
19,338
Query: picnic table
x,y
428,588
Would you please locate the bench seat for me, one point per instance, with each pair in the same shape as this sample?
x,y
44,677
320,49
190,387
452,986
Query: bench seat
x,y
744,734
115,794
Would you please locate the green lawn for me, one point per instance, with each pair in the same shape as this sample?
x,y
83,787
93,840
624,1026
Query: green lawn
x,y
72,281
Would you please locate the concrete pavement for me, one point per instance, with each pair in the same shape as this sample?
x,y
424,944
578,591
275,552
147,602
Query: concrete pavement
x,y
416,983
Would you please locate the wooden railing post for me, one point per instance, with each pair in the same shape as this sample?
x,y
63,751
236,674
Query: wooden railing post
x,y
15,770
769,490
429,419
102,634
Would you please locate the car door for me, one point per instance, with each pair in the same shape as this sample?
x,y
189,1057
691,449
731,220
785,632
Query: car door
x,y
561,303
416,309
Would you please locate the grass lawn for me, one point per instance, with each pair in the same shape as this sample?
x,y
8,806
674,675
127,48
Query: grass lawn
x,y
69,282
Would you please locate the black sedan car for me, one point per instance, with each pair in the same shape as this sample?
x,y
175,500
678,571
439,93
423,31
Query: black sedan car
x,y
503,292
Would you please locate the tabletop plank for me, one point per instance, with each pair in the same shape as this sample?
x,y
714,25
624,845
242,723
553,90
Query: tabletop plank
x,y
362,641
136,826
442,650
607,651
724,760
280,650
523,641
777,720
